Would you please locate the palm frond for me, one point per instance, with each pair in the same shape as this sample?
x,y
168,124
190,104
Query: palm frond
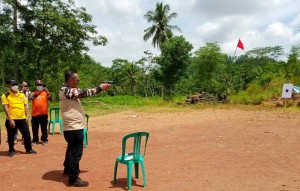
x,y
171,16
160,30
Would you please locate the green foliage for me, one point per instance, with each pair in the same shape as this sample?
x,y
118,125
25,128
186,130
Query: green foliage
x,y
173,62
292,68
256,94
133,101
103,104
126,74
268,53
208,64
50,37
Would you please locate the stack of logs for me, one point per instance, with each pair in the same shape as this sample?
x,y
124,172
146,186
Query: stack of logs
x,y
205,97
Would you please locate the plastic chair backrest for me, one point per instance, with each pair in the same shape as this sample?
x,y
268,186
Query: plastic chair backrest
x,y
136,144
56,114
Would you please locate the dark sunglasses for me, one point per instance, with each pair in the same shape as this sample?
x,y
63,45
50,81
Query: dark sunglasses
x,y
25,86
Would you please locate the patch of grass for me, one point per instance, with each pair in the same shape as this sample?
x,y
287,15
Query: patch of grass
x,y
101,105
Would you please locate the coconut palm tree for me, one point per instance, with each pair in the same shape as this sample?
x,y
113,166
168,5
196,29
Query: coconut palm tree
x,y
160,29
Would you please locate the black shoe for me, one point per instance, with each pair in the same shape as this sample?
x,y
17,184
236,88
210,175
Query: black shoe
x,y
31,152
78,182
11,154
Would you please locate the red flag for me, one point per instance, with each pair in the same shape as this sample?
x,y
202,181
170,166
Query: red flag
x,y
240,45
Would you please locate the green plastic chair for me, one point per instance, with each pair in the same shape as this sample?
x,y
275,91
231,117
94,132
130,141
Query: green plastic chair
x,y
85,131
132,158
55,118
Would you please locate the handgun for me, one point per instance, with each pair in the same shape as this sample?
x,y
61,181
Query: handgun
x,y
107,82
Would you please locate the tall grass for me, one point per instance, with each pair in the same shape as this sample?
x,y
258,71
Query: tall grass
x,y
255,94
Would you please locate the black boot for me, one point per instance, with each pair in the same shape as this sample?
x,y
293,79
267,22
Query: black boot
x,y
77,182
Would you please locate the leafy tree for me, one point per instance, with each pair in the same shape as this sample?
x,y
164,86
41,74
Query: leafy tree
x,y
160,29
208,63
293,65
174,59
92,73
266,52
147,83
260,65
6,43
232,76
55,32
51,37
126,74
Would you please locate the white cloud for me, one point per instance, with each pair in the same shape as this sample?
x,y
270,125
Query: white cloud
x,y
208,28
295,40
258,23
296,21
278,30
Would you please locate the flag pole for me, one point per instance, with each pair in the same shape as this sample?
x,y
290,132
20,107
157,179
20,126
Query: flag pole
x,y
235,50
234,53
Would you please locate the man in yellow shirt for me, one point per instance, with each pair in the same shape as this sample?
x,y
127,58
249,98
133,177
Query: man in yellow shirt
x,y
16,110
25,90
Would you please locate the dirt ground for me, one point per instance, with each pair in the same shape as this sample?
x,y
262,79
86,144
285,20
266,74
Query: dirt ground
x,y
212,149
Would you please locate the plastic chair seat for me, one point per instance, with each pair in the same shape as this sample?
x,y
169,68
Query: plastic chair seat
x,y
133,158
55,118
128,158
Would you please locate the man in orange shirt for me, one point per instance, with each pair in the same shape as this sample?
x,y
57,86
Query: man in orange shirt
x,y
39,112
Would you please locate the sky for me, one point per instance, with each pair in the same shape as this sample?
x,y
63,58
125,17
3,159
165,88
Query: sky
x,y
257,23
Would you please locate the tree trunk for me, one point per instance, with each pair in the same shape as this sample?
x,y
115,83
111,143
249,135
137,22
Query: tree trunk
x,y
15,27
2,74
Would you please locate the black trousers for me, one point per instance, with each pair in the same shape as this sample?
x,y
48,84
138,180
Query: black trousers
x,y
73,153
22,125
36,122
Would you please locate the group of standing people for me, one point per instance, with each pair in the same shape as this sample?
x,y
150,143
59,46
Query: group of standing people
x,y
16,109
15,103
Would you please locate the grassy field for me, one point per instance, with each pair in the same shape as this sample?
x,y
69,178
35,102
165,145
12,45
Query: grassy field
x,y
99,105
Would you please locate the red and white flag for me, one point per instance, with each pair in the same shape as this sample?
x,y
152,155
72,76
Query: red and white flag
x,y
240,44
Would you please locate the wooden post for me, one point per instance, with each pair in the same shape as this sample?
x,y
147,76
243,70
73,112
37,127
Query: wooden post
x,y
284,104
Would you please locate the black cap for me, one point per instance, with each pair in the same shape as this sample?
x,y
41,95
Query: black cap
x,y
38,82
11,82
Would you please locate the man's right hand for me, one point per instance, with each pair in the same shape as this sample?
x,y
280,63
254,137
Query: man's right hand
x,y
12,123
104,86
